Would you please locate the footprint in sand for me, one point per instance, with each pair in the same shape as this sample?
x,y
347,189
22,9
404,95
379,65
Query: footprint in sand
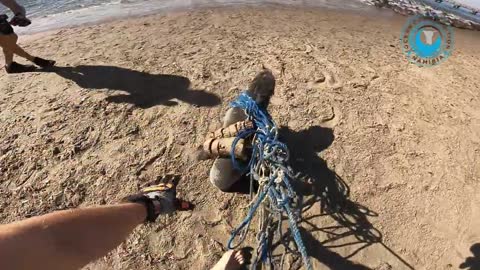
x,y
333,119
318,82
332,81
326,78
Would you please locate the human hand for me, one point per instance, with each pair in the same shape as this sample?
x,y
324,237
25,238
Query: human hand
x,y
161,198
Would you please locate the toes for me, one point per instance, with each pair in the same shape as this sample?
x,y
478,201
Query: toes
x,y
238,254
239,257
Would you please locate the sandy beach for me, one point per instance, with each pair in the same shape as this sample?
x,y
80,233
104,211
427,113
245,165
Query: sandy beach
x,y
132,99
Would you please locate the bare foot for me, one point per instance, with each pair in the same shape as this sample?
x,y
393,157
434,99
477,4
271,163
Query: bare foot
x,y
231,260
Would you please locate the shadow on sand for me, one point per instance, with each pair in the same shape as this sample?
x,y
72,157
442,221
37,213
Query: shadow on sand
x,y
319,184
143,89
472,263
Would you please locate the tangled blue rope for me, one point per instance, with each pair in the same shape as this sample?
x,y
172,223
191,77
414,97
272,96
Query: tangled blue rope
x,y
269,166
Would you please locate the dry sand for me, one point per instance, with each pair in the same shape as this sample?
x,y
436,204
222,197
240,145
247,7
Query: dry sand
x,y
406,140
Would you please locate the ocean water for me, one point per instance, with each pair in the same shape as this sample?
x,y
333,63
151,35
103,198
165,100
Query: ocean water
x,y
52,14
38,8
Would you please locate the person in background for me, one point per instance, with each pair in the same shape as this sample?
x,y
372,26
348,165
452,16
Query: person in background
x,y
8,40
70,239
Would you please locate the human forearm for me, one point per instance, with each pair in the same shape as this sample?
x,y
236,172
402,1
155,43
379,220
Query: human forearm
x,y
67,239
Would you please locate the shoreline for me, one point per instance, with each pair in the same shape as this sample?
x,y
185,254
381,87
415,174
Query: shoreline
x,y
91,16
380,8
366,12
441,12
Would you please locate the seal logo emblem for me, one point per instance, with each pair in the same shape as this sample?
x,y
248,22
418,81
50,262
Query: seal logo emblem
x,y
426,42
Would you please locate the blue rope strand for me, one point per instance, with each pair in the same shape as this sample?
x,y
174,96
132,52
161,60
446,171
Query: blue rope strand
x,y
270,153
